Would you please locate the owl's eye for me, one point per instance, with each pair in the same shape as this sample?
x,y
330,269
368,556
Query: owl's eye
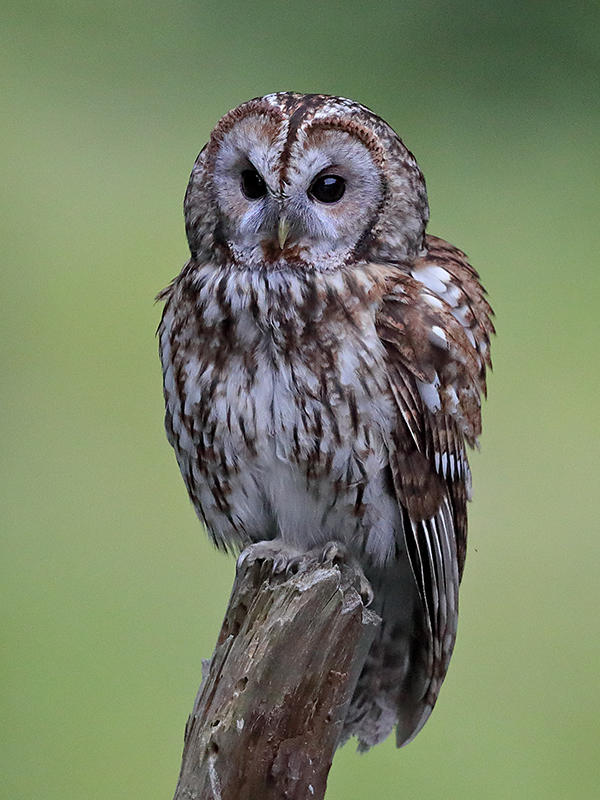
x,y
253,186
327,188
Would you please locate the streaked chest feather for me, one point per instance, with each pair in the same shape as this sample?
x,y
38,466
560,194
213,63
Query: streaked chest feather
x,y
277,398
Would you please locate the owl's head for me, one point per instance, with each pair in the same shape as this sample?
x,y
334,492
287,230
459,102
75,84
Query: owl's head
x,y
307,180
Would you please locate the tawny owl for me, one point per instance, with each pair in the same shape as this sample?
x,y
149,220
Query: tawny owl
x,y
324,360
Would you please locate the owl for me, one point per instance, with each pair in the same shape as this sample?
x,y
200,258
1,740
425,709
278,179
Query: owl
x,y
324,360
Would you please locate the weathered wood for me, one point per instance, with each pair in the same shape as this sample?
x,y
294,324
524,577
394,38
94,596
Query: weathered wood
x,y
269,712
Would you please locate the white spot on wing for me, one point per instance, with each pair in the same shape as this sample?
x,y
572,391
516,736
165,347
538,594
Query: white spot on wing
x,y
430,394
444,463
452,399
434,278
432,301
438,337
461,314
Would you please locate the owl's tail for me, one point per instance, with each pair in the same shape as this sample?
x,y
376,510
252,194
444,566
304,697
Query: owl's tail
x,y
396,686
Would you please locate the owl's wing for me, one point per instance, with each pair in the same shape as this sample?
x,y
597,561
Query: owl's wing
x,y
435,324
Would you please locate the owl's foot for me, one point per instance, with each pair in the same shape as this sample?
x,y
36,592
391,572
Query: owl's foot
x,y
338,554
280,558
273,552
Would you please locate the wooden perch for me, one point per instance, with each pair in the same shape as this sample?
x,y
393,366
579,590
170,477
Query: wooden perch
x,y
273,698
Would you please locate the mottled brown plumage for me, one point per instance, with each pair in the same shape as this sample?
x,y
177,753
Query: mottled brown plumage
x,y
324,360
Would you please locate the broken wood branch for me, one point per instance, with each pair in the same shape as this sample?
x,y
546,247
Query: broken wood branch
x,y
270,709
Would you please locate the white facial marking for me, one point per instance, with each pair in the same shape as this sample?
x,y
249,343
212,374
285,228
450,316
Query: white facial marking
x,y
327,229
322,234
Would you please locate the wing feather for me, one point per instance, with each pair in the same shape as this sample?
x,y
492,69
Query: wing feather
x,y
435,324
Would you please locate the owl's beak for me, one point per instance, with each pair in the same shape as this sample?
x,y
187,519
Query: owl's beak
x,y
283,231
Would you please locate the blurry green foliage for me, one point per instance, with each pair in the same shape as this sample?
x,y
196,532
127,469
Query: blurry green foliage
x,y
112,594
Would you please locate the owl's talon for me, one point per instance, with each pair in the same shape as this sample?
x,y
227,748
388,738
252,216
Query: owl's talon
x,y
365,591
241,559
334,553
337,553
280,563
294,565
271,554
277,559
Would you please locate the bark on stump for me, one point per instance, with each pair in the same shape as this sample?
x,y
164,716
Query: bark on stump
x,y
270,709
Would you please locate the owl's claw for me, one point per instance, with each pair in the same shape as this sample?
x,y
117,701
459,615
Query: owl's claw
x,y
333,553
296,565
241,559
337,553
281,563
365,591
281,559
274,551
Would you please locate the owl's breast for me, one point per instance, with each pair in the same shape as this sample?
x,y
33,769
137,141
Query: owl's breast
x,y
279,418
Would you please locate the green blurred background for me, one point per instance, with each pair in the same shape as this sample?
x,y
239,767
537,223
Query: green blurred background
x,y
112,593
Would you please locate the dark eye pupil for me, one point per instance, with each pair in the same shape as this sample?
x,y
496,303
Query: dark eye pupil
x,y
327,188
253,185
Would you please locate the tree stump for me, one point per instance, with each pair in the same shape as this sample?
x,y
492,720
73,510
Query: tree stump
x,y
271,707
